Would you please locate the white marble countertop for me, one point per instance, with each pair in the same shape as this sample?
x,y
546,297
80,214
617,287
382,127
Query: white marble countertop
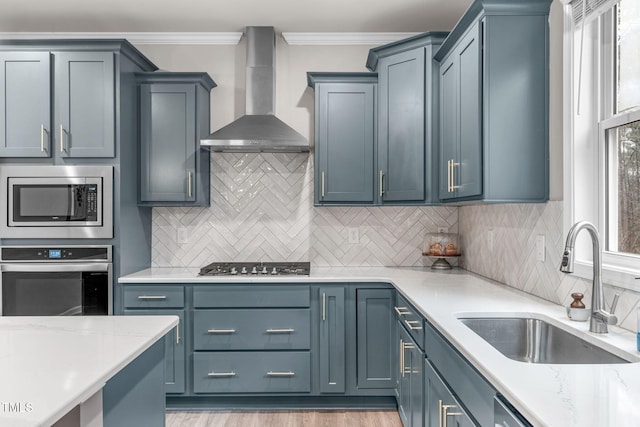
x,y
547,395
49,365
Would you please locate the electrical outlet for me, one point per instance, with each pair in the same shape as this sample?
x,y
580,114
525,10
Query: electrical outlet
x,y
443,229
490,239
540,250
354,235
182,237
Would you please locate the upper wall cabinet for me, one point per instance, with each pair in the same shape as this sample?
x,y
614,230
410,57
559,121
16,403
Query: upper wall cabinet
x,y
494,104
59,97
408,88
344,137
174,115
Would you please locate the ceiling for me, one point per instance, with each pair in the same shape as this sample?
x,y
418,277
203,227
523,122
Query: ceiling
x,y
230,16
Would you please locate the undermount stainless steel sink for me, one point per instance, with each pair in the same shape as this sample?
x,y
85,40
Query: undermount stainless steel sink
x,y
536,341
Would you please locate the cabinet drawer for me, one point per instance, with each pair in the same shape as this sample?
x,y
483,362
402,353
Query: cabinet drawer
x,y
154,297
267,329
252,372
471,389
250,296
410,319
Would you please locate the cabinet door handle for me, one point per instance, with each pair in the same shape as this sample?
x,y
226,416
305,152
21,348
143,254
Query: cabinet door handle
x,y
381,183
448,176
453,175
178,333
402,357
401,311
280,374
324,306
42,138
61,139
152,297
221,331
221,374
444,413
322,184
410,324
281,331
440,413
189,184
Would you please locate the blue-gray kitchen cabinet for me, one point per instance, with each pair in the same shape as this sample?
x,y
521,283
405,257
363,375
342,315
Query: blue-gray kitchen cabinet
x,y
160,300
407,83
84,104
494,104
441,406
375,339
410,356
344,137
83,101
25,110
174,115
460,111
332,355
474,396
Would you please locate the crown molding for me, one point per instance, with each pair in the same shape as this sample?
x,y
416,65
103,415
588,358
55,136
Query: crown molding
x,y
332,39
135,37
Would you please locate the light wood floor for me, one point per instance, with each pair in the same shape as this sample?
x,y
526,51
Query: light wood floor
x,y
382,418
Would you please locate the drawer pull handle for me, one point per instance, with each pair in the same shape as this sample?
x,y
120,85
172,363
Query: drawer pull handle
x,y
281,331
280,374
410,324
221,331
402,311
444,413
152,297
221,374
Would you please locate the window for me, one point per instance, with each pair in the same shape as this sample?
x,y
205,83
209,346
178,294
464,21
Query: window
x,y
603,155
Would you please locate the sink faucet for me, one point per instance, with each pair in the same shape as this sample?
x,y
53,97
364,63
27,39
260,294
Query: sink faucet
x,y
600,318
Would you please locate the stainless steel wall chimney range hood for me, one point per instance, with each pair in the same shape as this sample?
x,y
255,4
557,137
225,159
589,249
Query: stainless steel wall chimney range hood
x,y
258,130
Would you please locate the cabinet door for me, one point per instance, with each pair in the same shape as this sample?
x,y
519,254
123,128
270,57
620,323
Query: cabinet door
x,y
468,171
416,379
401,144
448,124
403,391
441,408
332,340
345,170
168,142
25,112
375,338
84,119
174,355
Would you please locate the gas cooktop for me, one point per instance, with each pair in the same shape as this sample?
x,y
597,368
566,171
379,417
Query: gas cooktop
x,y
256,269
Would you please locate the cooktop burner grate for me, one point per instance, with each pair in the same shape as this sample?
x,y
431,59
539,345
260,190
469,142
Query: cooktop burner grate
x,y
256,269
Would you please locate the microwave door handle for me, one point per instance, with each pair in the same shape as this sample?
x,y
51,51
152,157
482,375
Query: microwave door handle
x,y
55,268
74,195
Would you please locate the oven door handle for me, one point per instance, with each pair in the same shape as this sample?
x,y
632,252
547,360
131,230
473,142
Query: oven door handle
x,y
55,268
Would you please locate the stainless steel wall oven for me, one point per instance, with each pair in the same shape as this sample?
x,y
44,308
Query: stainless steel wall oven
x,y
55,281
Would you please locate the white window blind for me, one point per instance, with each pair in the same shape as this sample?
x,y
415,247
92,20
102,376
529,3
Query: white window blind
x,y
590,9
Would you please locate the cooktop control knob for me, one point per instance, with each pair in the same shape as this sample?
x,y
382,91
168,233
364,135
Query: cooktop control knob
x,y
233,271
274,271
254,270
264,270
244,270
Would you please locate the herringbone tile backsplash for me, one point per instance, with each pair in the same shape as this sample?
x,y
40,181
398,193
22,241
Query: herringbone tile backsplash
x,y
512,260
262,209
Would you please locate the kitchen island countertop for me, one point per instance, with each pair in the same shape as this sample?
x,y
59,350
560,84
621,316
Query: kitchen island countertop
x,y
545,394
49,365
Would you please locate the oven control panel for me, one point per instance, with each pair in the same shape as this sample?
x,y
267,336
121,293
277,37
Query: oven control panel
x,y
55,254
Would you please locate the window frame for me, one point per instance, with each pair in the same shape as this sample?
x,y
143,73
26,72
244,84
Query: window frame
x,y
618,269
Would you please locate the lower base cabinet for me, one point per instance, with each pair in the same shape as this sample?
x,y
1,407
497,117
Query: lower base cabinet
x,y
410,391
441,408
252,372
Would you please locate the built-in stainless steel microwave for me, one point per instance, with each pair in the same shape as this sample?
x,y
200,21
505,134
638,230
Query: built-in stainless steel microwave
x,y
56,201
